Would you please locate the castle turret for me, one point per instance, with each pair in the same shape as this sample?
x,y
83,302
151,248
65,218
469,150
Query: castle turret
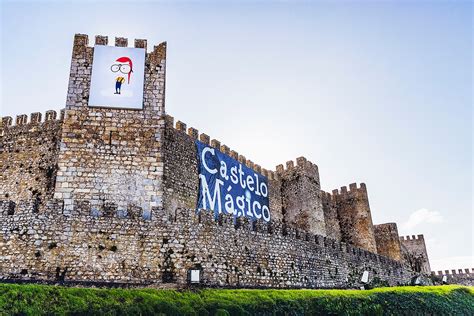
x,y
387,240
301,196
355,218
415,254
333,229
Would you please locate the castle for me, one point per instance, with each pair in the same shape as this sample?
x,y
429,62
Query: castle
x,y
109,195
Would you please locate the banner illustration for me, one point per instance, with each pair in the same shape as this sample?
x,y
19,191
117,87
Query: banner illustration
x,y
117,77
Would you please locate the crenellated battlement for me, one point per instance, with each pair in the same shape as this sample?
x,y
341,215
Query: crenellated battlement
x,y
414,252
343,192
35,119
28,156
412,237
328,197
81,70
155,57
194,134
302,164
91,211
82,40
454,272
454,276
353,189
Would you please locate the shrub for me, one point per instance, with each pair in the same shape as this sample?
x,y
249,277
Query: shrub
x,y
56,300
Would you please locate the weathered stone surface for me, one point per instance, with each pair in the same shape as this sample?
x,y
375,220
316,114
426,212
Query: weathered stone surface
x,y
301,197
331,219
112,155
415,254
109,195
180,179
355,219
162,249
453,276
29,157
387,240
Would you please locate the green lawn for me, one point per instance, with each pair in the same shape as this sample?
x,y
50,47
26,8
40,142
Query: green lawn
x,y
57,300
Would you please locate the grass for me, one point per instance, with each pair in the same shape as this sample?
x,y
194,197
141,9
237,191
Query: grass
x,y
18,299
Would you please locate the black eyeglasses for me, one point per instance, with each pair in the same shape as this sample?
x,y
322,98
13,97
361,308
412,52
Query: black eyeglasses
x,y
125,69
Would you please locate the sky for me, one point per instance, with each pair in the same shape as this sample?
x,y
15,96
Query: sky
x,y
378,92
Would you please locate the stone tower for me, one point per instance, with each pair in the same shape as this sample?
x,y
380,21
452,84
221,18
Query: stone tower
x,y
333,230
415,254
112,156
301,196
387,240
355,218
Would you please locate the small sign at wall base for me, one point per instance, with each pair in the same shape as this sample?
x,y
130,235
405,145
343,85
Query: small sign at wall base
x,y
365,277
195,276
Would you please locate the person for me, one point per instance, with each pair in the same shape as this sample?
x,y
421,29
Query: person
x,y
118,84
123,68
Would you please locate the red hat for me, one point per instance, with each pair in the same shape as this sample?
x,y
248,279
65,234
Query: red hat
x,y
129,61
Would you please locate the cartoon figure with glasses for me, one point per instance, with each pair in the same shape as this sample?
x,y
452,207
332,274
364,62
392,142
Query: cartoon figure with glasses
x,y
125,67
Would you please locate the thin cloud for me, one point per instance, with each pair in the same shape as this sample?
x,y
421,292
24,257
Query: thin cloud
x,y
422,216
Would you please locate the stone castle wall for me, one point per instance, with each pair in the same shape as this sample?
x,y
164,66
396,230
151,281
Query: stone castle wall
x,y
180,172
110,195
459,276
414,252
101,242
29,156
387,240
355,218
333,229
55,246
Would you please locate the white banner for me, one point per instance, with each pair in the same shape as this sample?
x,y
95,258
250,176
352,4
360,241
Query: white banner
x,y
117,77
